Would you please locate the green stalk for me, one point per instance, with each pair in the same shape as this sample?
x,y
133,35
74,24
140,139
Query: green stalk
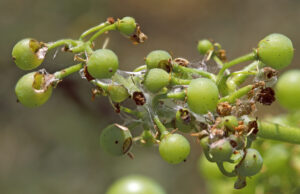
x,y
278,132
244,58
93,29
67,71
177,81
237,78
179,68
103,30
162,129
100,84
140,68
52,45
130,111
236,95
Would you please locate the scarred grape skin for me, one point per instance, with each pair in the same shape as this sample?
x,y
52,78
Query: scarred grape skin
x,y
29,90
174,148
251,164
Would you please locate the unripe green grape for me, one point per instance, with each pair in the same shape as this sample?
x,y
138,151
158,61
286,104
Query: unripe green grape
x,y
204,143
103,63
237,142
221,150
156,79
25,56
126,25
186,125
204,46
155,59
202,96
117,93
287,90
174,148
116,139
276,158
276,51
251,164
30,92
135,184
230,122
209,170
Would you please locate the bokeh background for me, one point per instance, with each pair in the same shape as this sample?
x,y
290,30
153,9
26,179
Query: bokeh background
x,y
55,148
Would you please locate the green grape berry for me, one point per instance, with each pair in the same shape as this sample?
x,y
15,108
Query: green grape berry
x,y
156,79
221,150
126,25
116,139
184,121
287,90
204,46
103,63
157,59
276,158
25,54
135,184
251,164
202,95
236,141
276,51
174,148
230,122
209,170
117,93
31,90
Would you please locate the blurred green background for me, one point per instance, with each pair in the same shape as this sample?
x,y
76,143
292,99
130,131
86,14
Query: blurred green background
x,y
55,148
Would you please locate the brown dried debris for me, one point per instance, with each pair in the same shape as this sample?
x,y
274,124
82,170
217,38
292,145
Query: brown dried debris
x,y
253,127
139,98
269,72
224,109
243,108
138,37
185,116
266,96
222,55
110,20
87,75
182,62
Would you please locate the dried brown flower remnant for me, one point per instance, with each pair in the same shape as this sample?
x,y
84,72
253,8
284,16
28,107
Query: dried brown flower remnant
x,y
185,115
110,20
139,98
224,109
266,96
139,36
222,55
252,126
182,62
269,72
87,75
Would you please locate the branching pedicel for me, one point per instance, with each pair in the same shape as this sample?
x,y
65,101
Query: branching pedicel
x,y
171,95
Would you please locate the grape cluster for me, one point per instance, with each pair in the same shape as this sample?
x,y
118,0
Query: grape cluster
x,y
174,98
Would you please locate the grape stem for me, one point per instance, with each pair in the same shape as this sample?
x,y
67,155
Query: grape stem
x,y
52,45
180,68
93,29
162,129
237,94
278,132
224,171
130,111
67,71
244,58
101,31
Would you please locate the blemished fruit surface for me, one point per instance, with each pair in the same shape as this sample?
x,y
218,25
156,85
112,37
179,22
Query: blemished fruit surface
x,y
251,164
221,150
174,148
24,54
202,96
103,63
155,58
126,25
135,184
276,51
287,90
116,140
30,92
156,79
204,46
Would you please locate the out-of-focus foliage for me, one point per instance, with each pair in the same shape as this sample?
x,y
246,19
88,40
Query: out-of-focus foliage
x,y
55,148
